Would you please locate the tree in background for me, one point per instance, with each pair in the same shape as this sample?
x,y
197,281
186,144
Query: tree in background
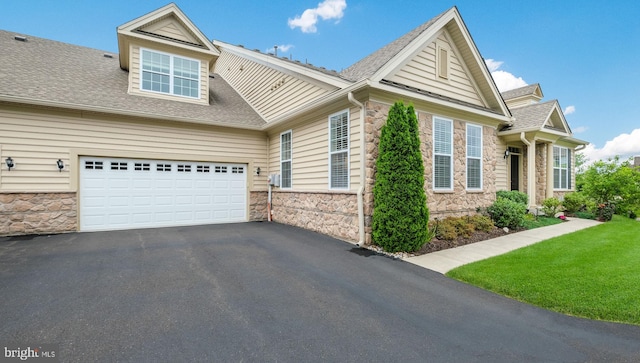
x,y
613,184
400,214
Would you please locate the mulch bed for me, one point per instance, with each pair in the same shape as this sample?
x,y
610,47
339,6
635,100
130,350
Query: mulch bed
x,y
439,245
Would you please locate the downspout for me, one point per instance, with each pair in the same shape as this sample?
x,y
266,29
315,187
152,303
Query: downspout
x,y
362,239
268,179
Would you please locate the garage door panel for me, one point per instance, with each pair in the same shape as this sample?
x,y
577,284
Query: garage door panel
x,y
128,193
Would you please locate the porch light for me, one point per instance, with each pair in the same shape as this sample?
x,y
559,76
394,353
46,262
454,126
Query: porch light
x,y
60,164
506,153
9,162
258,171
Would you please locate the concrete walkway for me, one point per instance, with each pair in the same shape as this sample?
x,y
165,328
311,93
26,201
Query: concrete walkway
x,y
445,260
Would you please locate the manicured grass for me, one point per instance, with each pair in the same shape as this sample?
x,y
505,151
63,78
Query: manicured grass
x,y
592,273
541,222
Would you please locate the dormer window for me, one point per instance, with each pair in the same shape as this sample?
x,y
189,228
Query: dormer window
x,y
170,74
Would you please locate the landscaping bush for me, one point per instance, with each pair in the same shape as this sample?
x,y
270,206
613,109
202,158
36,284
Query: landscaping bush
x,y
507,213
513,195
605,211
451,228
400,214
482,223
574,202
551,206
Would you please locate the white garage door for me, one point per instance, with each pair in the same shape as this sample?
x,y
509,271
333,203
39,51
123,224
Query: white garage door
x,y
130,193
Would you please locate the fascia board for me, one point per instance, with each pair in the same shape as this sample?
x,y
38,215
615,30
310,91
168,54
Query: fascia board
x,y
443,103
113,111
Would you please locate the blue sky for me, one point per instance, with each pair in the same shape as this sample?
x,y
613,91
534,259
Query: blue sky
x,y
584,53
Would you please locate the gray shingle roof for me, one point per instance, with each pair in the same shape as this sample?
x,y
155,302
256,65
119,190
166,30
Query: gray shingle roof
x,y
519,92
54,72
369,65
532,116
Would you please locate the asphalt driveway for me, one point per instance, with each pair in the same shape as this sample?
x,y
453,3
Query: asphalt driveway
x,y
267,292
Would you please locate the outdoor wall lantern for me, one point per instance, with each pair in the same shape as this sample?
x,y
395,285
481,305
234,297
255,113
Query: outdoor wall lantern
x,y
60,164
506,153
258,171
9,162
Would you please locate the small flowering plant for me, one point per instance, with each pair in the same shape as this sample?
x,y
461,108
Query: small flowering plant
x,y
562,217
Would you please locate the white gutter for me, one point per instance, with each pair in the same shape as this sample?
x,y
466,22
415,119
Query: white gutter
x,y
363,170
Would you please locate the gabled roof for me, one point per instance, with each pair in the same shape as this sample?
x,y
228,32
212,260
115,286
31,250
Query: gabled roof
x,y
49,73
533,90
384,62
372,63
545,116
167,25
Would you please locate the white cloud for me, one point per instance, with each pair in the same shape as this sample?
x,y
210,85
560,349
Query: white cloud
x,y
328,9
623,145
580,129
504,80
282,48
569,110
493,64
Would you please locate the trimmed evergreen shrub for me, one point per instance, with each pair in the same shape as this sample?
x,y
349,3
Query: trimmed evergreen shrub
x,y
400,214
507,213
513,195
482,223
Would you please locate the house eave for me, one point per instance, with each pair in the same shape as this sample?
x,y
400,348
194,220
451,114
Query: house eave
x,y
112,111
439,101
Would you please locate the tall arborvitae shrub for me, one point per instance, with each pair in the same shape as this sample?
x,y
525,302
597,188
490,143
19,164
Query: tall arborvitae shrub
x,y
400,214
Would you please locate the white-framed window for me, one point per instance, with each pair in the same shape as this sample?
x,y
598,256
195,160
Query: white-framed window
x,y
170,74
442,154
285,159
474,157
561,168
339,150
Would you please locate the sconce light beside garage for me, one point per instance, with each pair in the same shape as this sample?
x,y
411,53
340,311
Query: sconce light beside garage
x,y
10,163
60,164
258,171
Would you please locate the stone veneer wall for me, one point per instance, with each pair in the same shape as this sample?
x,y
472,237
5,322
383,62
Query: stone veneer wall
x,y
37,213
541,173
258,206
331,213
441,204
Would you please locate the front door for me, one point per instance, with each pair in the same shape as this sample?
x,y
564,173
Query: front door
x,y
515,172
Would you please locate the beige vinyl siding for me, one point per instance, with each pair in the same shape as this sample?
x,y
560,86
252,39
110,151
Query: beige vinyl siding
x,y
271,93
420,72
36,140
134,74
502,180
310,153
169,27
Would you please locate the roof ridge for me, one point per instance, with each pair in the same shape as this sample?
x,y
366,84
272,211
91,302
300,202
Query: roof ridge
x,y
370,64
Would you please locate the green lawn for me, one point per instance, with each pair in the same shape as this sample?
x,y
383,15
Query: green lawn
x,y
593,273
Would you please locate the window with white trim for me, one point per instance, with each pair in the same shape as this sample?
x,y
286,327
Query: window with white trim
x,y
561,168
285,160
442,154
339,151
474,157
170,74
